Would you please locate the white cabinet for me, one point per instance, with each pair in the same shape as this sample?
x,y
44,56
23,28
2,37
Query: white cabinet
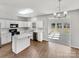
x,y
23,24
29,24
5,24
20,24
40,36
20,42
2,25
5,36
13,22
39,24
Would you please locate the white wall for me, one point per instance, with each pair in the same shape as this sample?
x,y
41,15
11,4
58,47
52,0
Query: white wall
x,y
8,12
74,17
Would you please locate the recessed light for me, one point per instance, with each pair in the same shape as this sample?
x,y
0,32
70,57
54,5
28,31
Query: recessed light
x,y
26,11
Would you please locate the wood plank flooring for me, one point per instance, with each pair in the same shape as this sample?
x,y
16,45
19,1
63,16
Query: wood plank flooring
x,y
41,50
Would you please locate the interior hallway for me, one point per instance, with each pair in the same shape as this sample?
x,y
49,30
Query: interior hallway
x,y
40,49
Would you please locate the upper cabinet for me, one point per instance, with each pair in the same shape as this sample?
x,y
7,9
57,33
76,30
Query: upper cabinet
x,y
24,24
20,24
29,24
6,23
39,24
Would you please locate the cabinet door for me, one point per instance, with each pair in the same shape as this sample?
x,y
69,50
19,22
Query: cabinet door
x,y
5,36
20,24
3,24
39,24
7,24
29,24
25,24
40,36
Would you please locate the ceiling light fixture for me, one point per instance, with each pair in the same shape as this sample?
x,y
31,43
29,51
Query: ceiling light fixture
x,y
60,14
26,11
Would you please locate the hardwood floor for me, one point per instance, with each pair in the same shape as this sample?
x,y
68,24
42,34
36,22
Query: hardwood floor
x,y
41,50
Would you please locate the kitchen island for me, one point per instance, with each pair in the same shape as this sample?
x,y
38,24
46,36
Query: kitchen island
x,y
20,42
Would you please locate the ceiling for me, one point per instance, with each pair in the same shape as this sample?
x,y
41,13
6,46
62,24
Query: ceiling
x,y
9,8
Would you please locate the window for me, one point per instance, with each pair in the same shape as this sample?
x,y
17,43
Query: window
x,y
66,25
53,25
59,25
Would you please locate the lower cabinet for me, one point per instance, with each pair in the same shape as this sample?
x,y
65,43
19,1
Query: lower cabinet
x,y
19,43
40,36
5,36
